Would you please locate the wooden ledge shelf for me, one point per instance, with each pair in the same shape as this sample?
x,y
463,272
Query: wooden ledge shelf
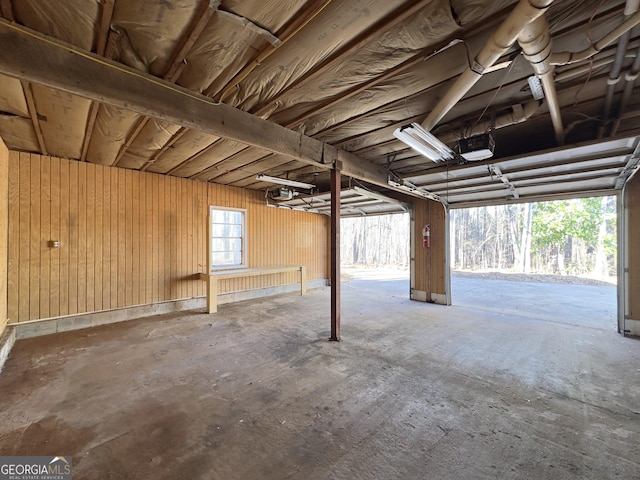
x,y
212,280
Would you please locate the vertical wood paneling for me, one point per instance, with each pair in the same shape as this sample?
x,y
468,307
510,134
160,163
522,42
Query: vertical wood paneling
x,y
135,239
130,238
65,244
107,205
122,239
74,233
23,265
13,260
82,238
155,239
54,274
632,200
127,279
98,241
4,232
45,236
90,244
34,239
114,251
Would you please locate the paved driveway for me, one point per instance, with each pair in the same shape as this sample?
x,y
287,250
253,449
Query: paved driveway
x,y
591,306
586,305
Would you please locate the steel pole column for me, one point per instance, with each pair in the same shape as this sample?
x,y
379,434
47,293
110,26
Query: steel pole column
x,y
335,252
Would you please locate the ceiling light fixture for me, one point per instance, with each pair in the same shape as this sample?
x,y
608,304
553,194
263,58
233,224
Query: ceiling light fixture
x,y
424,142
284,181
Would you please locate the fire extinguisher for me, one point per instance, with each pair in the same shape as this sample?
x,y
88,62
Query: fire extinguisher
x,y
426,236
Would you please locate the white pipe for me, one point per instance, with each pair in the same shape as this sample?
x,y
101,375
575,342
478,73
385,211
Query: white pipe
x,y
502,39
565,58
631,7
519,113
535,40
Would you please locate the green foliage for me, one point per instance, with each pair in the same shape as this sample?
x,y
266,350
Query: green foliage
x,y
554,222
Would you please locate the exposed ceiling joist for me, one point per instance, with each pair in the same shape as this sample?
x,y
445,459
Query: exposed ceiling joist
x,y
33,57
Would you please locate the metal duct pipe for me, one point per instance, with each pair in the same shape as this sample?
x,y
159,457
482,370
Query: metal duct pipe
x,y
614,76
582,69
535,40
519,113
565,58
630,79
502,39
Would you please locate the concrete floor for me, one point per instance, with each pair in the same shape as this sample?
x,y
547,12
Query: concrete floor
x,y
413,391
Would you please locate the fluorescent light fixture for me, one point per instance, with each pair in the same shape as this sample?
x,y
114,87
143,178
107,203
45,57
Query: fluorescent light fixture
x,y
284,181
424,142
375,195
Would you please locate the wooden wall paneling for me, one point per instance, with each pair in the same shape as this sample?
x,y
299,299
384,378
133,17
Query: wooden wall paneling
x,y
133,238
202,235
164,228
136,277
65,245
4,233
13,256
127,259
34,239
90,243
180,244
54,234
142,242
438,216
74,232
98,241
107,226
142,238
115,236
189,191
156,238
632,199
82,237
45,236
190,266
121,242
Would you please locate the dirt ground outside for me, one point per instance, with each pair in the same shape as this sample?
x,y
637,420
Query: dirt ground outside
x,y
392,271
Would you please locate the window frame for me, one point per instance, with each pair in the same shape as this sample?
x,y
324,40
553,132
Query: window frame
x,y
243,252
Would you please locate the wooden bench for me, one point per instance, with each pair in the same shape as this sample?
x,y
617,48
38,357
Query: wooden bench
x,y
214,277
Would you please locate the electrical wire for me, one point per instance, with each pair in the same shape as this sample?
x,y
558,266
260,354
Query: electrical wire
x,y
502,82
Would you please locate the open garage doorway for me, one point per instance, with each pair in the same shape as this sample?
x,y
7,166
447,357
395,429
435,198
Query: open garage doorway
x,y
555,261
377,247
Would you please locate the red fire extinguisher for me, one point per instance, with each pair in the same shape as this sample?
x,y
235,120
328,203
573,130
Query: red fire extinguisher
x,y
426,236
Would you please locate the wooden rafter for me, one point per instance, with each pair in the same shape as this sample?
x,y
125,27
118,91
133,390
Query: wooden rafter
x,y
101,49
33,113
359,42
284,35
177,136
287,33
33,57
176,66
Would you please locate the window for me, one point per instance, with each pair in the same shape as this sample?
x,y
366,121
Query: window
x,y
228,238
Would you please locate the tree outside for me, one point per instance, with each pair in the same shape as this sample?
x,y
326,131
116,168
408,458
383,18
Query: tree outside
x,y
566,237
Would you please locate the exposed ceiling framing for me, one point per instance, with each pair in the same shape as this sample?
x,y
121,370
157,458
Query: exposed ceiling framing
x,y
221,90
